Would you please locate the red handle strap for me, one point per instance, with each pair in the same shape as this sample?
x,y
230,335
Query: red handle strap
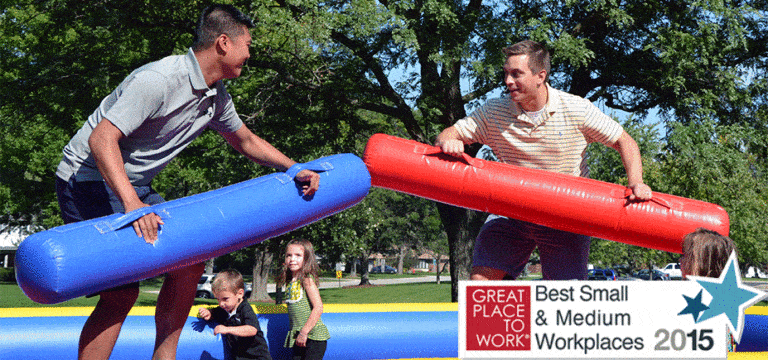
x,y
434,150
662,202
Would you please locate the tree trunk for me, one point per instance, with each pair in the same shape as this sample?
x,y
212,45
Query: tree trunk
x,y
438,268
262,265
462,226
279,295
279,298
364,271
209,266
400,258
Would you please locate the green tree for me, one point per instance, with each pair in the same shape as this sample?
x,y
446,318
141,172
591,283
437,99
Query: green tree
x,y
59,58
682,58
605,165
321,71
710,162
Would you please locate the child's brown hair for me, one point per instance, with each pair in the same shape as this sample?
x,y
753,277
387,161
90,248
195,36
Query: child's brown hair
x,y
228,280
705,253
310,268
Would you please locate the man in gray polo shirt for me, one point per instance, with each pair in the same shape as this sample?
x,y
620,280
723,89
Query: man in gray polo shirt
x,y
108,166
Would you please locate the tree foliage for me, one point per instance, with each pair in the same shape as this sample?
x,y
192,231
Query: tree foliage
x,y
324,76
59,58
691,61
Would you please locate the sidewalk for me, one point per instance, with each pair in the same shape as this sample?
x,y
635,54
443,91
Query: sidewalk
x,y
760,285
328,283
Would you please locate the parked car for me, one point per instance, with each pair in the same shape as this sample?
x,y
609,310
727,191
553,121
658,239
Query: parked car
x,y
387,270
673,270
601,274
204,287
629,278
622,271
753,272
657,275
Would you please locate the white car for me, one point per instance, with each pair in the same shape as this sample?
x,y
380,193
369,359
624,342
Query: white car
x,y
753,272
204,287
673,270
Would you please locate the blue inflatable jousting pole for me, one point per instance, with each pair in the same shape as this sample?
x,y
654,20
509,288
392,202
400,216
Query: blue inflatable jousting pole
x,y
90,256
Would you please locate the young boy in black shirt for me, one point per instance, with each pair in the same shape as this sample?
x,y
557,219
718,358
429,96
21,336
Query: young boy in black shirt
x,y
239,325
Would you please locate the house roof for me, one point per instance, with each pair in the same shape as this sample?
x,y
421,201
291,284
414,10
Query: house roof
x,y
429,255
10,240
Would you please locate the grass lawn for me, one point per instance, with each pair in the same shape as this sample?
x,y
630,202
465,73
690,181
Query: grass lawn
x,y
11,295
397,293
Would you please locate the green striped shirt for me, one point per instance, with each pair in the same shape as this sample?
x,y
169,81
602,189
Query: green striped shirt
x,y
299,309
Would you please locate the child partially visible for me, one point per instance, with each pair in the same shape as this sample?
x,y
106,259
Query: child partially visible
x,y
239,325
705,253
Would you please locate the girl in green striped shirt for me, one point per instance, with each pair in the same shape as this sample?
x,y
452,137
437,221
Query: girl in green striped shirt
x,y
308,336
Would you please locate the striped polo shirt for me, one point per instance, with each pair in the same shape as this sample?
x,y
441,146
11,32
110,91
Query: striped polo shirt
x,y
556,141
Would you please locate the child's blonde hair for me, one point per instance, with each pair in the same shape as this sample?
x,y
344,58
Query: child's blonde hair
x,y
228,280
310,268
705,253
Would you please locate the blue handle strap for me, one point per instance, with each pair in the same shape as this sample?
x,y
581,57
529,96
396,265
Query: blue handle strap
x,y
126,219
289,174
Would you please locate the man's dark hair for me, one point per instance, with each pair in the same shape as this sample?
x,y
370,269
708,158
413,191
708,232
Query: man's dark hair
x,y
219,19
538,56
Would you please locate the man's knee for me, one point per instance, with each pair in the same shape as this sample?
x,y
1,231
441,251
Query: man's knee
x,y
191,271
480,273
121,300
196,269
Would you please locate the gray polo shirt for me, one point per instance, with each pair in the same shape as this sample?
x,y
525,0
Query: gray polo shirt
x,y
160,108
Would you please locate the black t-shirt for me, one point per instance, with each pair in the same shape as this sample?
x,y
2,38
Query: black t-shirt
x,y
251,347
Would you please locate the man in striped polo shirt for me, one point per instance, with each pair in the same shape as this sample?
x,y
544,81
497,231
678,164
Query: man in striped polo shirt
x,y
538,127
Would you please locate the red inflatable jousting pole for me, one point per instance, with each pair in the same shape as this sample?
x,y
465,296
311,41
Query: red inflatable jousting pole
x,y
580,205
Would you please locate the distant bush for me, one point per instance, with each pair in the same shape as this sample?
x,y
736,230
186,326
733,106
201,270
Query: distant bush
x,y
7,275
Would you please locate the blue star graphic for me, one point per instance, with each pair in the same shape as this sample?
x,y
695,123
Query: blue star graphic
x,y
695,306
729,296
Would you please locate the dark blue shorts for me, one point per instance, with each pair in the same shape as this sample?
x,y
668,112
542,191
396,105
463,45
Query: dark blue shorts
x,y
85,200
506,244
315,350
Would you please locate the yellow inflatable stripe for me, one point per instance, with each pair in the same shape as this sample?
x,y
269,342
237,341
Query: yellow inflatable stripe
x,y
757,310
259,308
270,309
45,311
410,307
748,355
358,308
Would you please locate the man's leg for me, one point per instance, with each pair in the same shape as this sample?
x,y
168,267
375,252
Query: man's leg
x,y
176,298
564,255
501,249
485,273
82,201
103,326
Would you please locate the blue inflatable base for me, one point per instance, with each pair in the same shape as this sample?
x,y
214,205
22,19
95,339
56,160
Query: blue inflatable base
x,y
354,336
754,336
